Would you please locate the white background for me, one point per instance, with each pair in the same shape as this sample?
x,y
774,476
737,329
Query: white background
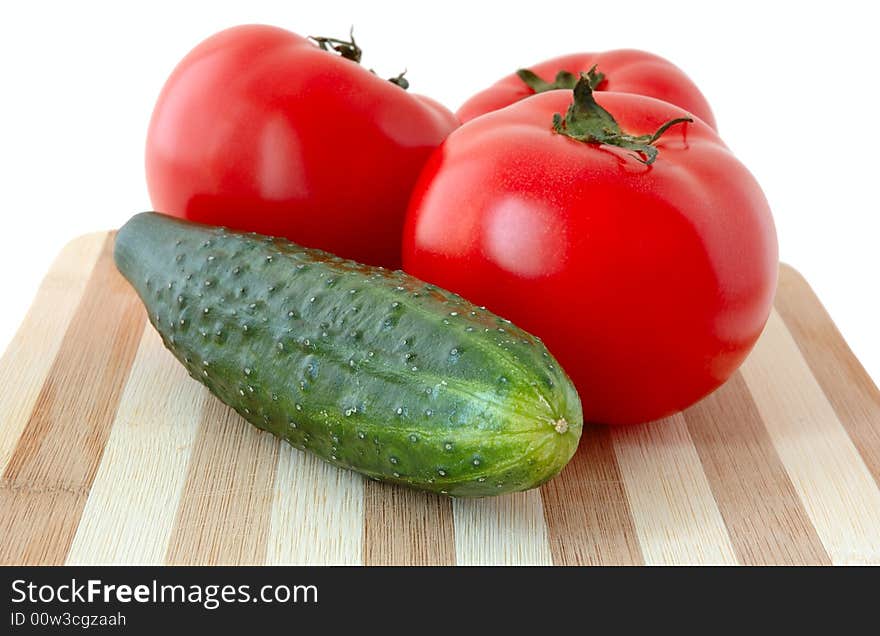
x,y
794,87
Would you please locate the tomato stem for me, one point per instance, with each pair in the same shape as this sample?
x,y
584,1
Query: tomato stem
x,y
346,48
349,50
563,79
586,121
400,80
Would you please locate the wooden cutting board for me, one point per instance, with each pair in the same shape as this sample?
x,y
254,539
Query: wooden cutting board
x,y
110,453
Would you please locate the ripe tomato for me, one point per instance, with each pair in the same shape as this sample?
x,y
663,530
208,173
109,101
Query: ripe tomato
x,y
260,129
649,280
621,71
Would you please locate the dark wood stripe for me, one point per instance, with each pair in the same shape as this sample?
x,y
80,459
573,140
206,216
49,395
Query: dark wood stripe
x,y
48,477
586,509
765,519
225,510
843,379
406,527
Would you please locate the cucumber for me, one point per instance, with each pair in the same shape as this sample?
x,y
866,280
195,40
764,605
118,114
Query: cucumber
x,y
371,370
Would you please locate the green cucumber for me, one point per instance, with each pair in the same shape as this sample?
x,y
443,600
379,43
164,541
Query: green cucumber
x,y
371,370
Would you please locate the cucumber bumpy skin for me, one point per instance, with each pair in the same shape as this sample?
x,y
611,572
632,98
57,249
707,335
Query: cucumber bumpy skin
x,y
371,370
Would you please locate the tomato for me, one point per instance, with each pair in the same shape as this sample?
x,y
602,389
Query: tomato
x,y
621,71
647,266
260,129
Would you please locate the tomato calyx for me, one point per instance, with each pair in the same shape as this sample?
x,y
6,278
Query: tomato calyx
x,y
345,48
349,50
563,79
400,80
586,121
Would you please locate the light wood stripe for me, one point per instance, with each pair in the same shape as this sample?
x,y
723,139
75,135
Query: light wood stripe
x,y
846,384
317,513
835,486
676,518
763,514
406,527
32,350
504,530
47,479
586,508
131,507
223,517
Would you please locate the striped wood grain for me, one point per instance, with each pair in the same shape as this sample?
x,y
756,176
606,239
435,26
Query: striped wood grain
x,y
834,484
500,530
586,509
225,511
763,514
317,513
111,454
32,351
48,477
406,527
131,508
676,517
853,396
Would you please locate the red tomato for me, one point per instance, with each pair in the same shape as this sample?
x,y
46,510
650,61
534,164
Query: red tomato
x,y
624,70
649,283
259,129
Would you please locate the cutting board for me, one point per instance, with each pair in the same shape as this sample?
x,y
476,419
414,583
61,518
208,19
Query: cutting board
x,y
110,453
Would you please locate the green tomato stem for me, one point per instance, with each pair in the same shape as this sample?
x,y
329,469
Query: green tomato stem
x,y
586,121
349,50
563,79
